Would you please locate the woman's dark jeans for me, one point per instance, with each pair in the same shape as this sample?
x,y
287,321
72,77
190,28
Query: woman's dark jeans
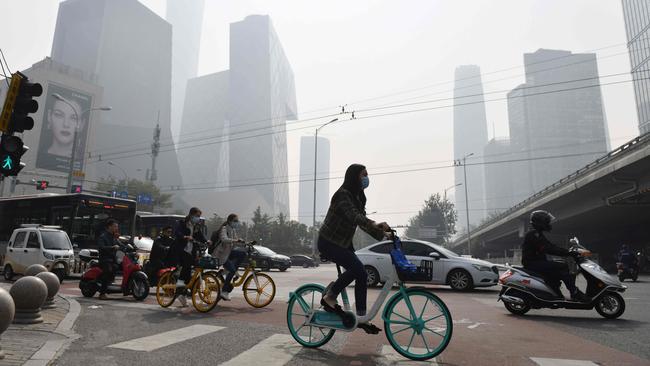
x,y
354,271
235,258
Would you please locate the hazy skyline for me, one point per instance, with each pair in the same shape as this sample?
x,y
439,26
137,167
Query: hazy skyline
x,y
343,52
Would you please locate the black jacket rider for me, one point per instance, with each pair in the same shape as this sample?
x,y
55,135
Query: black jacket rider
x,y
105,245
536,247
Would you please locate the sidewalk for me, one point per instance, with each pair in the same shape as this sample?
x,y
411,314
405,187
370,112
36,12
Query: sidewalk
x,y
39,344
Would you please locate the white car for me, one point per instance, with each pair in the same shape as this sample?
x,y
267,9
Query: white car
x,y
36,244
449,268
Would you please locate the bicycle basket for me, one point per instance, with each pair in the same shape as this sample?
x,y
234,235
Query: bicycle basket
x,y
207,262
422,273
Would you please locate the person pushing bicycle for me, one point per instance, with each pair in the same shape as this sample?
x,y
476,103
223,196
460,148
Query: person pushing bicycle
x,y
347,211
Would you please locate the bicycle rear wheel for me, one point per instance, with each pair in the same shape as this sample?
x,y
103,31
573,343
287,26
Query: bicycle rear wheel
x,y
205,292
304,301
166,290
419,325
259,290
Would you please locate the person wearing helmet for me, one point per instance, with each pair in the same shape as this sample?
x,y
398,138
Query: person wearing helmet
x,y
535,248
627,257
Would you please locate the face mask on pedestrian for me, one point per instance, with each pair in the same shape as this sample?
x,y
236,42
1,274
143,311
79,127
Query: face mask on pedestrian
x,y
365,182
236,224
195,220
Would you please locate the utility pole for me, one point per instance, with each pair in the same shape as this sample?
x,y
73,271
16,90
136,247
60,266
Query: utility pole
x,y
155,150
469,230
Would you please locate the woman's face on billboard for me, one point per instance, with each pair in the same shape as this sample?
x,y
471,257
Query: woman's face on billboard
x,y
63,120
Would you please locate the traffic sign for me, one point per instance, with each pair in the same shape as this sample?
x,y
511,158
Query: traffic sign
x,y
124,194
78,174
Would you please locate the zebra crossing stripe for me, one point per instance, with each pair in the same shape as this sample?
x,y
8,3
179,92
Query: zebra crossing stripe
x,y
276,350
391,357
540,361
160,340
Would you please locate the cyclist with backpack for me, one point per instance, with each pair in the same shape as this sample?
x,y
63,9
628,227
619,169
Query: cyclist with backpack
x,y
227,253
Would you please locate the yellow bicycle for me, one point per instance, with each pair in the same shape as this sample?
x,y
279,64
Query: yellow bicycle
x,y
205,286
258,287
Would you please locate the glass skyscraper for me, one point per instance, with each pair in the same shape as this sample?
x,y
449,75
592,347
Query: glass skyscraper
x,y
637,28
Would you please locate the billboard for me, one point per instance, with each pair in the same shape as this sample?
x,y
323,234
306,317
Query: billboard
x,y
60,118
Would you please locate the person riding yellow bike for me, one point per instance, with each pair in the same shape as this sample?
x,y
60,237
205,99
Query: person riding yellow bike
x,y
347,211
227,253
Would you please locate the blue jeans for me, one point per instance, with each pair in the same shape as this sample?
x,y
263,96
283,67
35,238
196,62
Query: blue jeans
x,y
354,271
234,260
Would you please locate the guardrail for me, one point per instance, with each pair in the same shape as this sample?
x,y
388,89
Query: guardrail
x,y
614,154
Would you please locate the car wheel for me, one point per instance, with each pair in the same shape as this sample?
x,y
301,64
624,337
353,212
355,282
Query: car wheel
x,y
267,266
283,269
460,280
305,265
60,273
8,272
372,275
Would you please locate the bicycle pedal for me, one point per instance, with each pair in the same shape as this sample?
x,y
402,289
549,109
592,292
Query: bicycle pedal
x,y
369,328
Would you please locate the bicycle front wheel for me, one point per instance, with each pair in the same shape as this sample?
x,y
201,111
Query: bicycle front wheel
x,y
166,289
418,325
206,292
259,290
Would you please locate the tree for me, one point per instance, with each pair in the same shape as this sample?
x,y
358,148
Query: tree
x,y
438,213
135,187
279,233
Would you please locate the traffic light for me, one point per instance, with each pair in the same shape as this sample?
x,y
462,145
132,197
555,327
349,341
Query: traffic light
x,y
42,185
11,150
76,189
18,103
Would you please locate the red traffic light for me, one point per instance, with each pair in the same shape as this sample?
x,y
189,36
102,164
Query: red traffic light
x,y
42,185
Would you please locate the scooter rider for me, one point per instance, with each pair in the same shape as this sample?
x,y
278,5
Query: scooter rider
x,y
535,248
627,257
227,253
107,244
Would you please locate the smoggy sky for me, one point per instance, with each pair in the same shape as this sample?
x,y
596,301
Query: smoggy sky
x,y
343,52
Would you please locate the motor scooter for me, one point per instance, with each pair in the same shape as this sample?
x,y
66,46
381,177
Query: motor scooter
x,y
523,289
134,280
625,271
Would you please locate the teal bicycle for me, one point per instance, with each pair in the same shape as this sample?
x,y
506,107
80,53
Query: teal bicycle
x,y
417,323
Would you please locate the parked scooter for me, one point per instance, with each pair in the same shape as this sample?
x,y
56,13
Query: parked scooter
x,y
134,280
523,289
626,271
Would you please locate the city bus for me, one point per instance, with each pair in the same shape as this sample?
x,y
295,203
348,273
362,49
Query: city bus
x,y
81,215
149,224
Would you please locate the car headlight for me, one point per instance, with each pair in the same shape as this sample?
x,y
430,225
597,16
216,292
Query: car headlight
x,y
49,256
482,268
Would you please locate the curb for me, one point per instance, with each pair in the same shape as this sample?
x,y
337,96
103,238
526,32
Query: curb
x,y
55,347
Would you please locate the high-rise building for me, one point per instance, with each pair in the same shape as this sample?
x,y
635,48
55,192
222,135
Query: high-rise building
x,y
637,28
262,97
498,176
201,159
129,50
186,18
557,123
470,137
306,194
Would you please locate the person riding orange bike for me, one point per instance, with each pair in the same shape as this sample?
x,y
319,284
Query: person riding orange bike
x,y
347,211
226,252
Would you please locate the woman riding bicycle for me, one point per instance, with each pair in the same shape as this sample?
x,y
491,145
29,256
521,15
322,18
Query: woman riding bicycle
x,y
227,253
347,211
184,251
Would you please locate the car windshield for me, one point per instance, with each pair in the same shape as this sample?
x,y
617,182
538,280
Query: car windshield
x,y
264,250
55,240
448,253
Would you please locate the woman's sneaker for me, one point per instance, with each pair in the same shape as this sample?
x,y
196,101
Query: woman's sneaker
x,y
225,295
183,300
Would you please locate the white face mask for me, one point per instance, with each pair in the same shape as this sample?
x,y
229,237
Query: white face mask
x,y
236,224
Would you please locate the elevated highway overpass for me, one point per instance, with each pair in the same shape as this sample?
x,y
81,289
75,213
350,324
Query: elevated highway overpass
x,y
605,204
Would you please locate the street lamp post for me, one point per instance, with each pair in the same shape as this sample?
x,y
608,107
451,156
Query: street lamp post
x,y
448,188
315,238
75,135
126,177
469,230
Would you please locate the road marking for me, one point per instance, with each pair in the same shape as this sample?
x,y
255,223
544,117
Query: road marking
x,y
154,342
393,358
276,350
559,362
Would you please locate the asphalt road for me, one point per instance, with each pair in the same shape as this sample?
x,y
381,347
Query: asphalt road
x,y
237,334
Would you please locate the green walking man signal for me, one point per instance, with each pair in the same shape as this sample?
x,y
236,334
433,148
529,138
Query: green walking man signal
x,y
7,163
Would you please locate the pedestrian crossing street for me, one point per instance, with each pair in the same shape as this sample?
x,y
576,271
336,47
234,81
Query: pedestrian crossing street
x,y
281,349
